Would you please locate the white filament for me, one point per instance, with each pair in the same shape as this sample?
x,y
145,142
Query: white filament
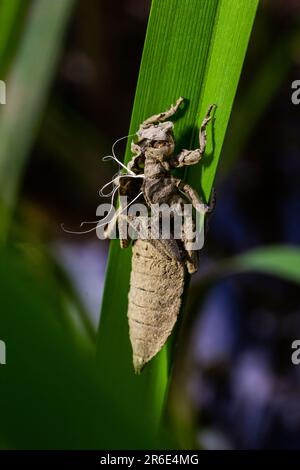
x,y
113,156
129,173
97,221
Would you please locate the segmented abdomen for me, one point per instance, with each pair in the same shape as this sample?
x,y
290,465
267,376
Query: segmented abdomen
x,y
156,288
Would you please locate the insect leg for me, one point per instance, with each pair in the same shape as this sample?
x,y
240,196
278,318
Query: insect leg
x,y
202,131
117,221
186,157
192,195
191,157
190,254
211,206
111,226
192,261
164,115
193,255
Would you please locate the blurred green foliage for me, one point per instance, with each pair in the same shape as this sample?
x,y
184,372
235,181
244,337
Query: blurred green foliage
x,y
28,82
51,395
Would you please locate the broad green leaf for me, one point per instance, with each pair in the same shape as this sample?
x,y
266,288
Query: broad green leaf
x,y
28,85
194,49
281,261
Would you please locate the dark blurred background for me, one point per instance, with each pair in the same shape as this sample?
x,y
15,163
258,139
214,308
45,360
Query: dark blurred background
x,y
89,108
241,382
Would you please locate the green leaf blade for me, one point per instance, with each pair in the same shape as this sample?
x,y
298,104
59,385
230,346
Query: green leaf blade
x,y
281,261
193,49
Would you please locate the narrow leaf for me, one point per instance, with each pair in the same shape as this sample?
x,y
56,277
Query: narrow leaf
x,y
281,261
193,49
